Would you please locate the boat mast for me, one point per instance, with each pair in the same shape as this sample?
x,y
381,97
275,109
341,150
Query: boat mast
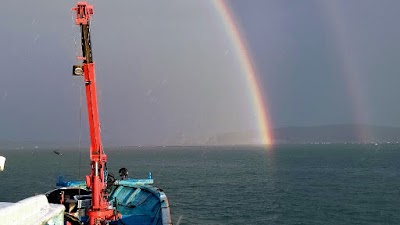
x,y
100,210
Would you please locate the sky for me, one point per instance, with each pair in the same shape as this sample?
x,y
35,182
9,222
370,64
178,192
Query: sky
x,y
167,72
326,62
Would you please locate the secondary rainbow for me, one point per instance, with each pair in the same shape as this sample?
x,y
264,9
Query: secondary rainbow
x,y
248,69
344,41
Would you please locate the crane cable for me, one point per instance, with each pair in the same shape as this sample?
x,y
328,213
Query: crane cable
x,y
80,97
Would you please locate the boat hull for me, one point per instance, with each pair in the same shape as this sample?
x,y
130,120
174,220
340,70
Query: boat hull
x,y
140,204
136,201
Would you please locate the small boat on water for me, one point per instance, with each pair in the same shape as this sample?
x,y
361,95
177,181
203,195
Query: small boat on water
x,y
57,152
103,198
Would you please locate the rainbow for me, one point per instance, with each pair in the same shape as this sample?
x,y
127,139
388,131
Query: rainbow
x,y
239,43
350,68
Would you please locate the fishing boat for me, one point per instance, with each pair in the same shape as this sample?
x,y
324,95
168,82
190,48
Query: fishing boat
x,y
57,152
103,198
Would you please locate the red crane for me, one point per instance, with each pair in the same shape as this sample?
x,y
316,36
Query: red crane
x,y
100,211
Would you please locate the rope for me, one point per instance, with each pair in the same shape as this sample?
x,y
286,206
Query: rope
x,y
73,35
80,132
77,51
70,218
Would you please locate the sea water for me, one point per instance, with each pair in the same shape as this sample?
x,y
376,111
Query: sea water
x,y
286,184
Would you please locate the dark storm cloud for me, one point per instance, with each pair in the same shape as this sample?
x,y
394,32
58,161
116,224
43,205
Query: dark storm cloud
x,y
297,48
167,72
164,75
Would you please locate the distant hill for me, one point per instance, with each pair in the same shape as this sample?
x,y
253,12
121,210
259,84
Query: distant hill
x,y
355,133
338,134
343,133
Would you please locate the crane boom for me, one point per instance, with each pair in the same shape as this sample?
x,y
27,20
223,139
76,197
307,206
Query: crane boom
x,y
100,210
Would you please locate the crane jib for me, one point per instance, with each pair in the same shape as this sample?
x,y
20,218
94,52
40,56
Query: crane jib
x,y
96,181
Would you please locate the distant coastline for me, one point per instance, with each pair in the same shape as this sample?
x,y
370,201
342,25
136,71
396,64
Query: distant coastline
x,y
340,133
324,134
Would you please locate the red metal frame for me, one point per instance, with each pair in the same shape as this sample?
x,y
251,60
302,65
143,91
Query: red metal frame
x,y
83,12
100,210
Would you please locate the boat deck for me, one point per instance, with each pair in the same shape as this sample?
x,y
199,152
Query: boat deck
x,y
32,210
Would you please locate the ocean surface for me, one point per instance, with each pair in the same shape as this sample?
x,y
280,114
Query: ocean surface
x,y
289,184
